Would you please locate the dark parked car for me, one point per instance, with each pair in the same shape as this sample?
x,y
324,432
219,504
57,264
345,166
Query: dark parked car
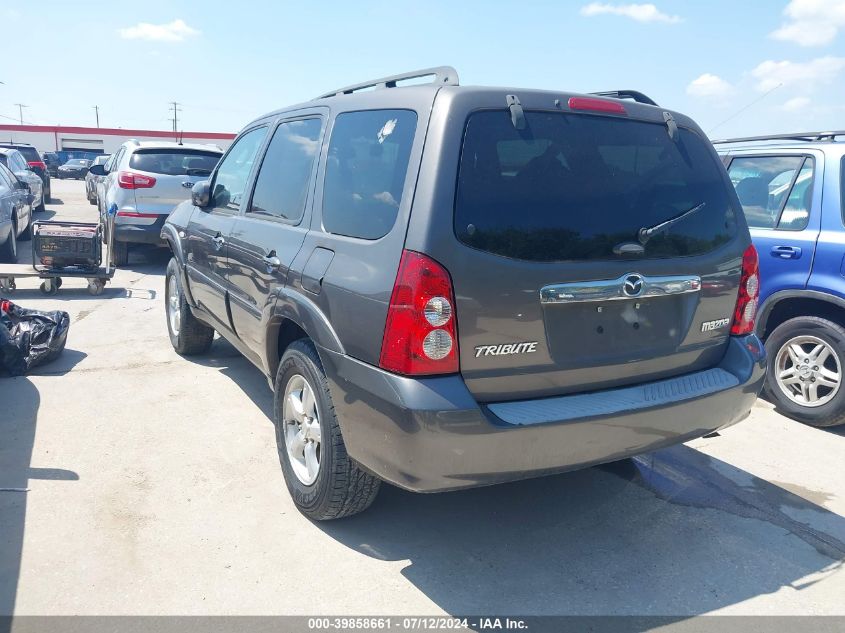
x,y
53,162
91,180
14,161
35,162
455,286
75,168
15,214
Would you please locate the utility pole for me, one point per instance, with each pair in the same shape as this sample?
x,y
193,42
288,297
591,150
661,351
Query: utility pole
x,y
174,105
21,106
97,114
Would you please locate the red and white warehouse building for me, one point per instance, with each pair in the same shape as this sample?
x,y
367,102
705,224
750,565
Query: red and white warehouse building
x,y
57,138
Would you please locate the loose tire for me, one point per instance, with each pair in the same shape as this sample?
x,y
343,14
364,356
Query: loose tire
x,y
188,335
9,249
339,487
121,253
806,367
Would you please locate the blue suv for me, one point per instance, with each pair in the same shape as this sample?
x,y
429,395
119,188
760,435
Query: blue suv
x,y
792,190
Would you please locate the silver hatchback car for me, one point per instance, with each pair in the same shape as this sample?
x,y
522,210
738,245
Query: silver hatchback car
x,y
143,181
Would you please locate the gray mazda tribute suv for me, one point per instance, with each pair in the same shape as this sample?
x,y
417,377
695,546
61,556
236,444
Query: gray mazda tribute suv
x,y
454,286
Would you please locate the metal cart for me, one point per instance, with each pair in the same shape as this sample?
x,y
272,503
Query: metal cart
x,y
97,275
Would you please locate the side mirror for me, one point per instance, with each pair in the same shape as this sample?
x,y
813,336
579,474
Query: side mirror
x,y
97,170
200,194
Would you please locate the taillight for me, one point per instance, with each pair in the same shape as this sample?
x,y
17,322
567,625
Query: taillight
x,y
596,105
745,312
37,163
132,180
420,336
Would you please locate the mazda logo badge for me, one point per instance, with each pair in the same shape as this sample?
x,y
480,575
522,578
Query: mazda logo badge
x,y
633,285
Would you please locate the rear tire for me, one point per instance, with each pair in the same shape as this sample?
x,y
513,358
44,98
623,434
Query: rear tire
x,y
789,373
9,250
120,253
340,487
27,232
187,334
41,206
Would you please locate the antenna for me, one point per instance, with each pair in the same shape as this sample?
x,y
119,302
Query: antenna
x,y
743,109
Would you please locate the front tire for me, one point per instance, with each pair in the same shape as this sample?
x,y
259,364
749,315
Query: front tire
x,y
806,361
9,250
324,482
188,335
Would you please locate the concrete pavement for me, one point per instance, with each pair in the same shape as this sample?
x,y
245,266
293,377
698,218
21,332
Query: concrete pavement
x,y
154,488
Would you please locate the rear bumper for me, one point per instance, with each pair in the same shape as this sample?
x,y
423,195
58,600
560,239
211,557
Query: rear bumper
x,y
140,233
430,435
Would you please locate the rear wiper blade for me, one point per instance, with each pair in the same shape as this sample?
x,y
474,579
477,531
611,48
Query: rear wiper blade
x,y
647,232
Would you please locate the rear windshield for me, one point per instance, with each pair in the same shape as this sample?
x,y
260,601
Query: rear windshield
x,y
29,153
78,162
175,162
573,187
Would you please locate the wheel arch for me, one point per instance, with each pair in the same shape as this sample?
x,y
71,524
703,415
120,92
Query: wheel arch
x,y
296,316
174,243
788,304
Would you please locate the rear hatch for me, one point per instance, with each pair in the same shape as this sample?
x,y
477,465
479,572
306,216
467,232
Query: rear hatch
x,y
556,292
174,171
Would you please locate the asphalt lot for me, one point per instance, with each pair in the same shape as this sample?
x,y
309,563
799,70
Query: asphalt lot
x,y
154,488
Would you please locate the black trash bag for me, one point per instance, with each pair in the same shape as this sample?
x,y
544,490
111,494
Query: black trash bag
x,y
29,337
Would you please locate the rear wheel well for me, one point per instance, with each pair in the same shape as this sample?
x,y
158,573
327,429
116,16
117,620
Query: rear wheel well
x,y
286,333
799,306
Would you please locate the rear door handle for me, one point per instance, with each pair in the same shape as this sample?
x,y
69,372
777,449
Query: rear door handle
x,y
219,241
786,252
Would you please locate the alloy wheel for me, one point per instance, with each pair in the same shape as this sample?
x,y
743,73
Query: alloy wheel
x,y
174,309
301,427
808,371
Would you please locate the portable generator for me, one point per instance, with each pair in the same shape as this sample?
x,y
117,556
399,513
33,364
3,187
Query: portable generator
x,y
59,245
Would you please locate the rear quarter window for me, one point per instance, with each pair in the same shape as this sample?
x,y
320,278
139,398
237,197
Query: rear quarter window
x,y
365,171
573,187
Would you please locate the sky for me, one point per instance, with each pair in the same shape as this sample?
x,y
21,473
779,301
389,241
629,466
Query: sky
x,y
738,67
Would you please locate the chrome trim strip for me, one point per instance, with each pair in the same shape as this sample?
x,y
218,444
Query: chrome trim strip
x,y
626,287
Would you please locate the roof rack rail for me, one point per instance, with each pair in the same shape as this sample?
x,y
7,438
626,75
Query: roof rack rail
x,y
443,75
637,96
794,136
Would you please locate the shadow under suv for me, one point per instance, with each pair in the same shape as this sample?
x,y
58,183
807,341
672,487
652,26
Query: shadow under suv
x,y
454,286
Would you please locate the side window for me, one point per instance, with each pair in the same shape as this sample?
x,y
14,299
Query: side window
x,y
6,178
775,191
233,172
114,161
842,188
18,163
282,184
365,172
